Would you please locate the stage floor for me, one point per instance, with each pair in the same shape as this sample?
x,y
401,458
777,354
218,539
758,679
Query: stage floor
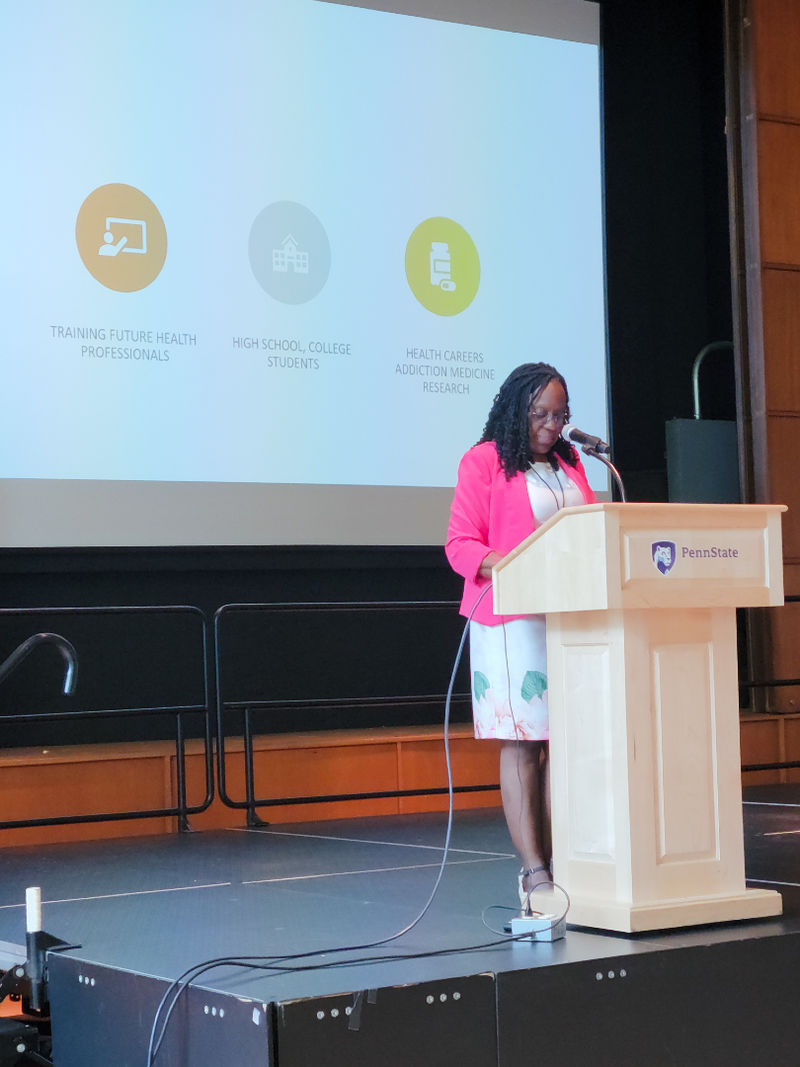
x,y
154,907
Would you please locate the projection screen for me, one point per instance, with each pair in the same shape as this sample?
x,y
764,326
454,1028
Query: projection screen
x,y
267,262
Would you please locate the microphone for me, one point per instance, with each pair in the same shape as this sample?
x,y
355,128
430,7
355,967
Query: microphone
x,y
578,437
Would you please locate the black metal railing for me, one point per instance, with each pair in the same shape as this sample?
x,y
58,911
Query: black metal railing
x,y
307,629
276,673
179,713
772,683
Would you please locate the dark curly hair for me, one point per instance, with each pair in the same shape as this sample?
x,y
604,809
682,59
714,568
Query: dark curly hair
x,y
508,423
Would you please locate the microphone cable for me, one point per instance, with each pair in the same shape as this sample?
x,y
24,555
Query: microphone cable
x,y
177,987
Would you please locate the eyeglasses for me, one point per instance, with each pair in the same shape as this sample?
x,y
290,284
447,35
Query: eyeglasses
x,y
558,418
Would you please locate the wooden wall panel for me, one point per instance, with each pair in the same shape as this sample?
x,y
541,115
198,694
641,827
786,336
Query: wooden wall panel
x,y
373,760
779,192
39,787
776,40
473,763
791,581
89,778
791,727
761,741
781,311
309,771
783,438
764,40
784,626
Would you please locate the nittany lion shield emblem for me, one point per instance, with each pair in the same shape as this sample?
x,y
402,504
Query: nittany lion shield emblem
x,y
664,555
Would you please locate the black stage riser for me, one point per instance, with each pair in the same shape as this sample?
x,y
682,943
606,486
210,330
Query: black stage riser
x,y
732,1003
103,1017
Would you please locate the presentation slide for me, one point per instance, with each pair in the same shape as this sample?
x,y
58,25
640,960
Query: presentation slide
x,y
267,262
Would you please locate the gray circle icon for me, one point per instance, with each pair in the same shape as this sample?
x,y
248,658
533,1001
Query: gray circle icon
x,y
290,254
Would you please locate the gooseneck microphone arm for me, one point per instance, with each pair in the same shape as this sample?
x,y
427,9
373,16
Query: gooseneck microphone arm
x,y
607,462
595,446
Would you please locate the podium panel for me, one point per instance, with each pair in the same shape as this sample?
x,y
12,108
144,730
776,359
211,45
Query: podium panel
x,y
644,717
603,556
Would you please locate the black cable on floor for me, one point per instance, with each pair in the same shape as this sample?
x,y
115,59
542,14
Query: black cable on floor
x,y
180,984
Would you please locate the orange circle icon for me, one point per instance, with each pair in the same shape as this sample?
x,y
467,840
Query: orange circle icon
x,y
121,237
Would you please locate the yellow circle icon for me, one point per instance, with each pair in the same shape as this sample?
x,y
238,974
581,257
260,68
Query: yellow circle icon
x,y
121,237
442,266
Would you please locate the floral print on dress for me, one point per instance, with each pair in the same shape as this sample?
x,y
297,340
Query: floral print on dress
x,y
509,693
495,717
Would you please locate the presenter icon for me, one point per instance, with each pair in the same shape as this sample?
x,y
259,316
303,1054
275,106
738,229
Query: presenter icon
x,y
133,239
111,248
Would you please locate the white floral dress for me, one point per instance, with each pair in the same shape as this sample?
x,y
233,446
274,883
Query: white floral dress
x,y
508,662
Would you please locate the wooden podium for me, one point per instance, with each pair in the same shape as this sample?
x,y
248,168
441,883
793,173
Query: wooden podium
x,y
644,713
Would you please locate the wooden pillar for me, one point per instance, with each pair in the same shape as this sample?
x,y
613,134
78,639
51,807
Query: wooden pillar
x,y
763,54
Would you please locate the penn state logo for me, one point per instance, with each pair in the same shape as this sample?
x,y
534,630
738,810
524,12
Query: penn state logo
x,y
664,555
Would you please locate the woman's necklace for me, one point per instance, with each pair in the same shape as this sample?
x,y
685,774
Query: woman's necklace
x,y
549,487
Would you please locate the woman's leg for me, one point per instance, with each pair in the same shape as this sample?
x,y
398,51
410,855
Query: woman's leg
x,y
544,780
524,781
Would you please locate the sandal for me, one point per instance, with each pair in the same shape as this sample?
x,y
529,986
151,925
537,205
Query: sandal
x,y
525,894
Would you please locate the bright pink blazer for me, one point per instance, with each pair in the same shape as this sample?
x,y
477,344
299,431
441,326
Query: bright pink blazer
x,y
490,513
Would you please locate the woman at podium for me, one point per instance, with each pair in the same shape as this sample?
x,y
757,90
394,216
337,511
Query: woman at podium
x,y
518,475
